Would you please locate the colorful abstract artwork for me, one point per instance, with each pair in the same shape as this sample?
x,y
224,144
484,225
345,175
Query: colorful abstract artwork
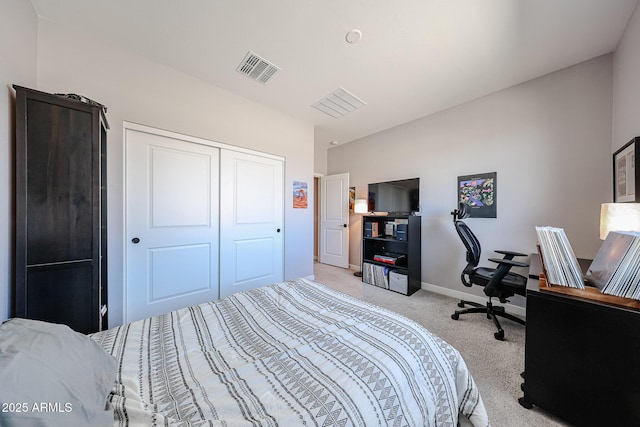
x,y
478,192
299,194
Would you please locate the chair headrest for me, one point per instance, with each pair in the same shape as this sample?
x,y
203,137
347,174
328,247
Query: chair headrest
x,y
461,213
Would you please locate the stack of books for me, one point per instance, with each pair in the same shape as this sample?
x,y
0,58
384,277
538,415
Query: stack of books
x,y
561,264
616,267
371,229
391,259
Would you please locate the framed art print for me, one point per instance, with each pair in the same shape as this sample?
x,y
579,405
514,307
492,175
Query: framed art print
x,y
299,195
352,198
626,178
478,192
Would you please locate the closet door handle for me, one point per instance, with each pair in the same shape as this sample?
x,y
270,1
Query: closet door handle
x,y
135,240
277,230
344,225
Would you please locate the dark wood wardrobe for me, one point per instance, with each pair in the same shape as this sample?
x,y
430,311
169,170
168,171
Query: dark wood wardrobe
x,y
60,210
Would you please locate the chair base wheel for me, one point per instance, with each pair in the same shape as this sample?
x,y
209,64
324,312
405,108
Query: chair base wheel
x,y
455,316
499,335
524,403
461,304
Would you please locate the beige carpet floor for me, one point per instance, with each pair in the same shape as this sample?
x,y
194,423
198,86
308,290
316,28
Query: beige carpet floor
x,y
495,365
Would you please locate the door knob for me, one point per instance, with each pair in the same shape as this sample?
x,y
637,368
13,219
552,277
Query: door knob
x,y
135,240
277,230
344,225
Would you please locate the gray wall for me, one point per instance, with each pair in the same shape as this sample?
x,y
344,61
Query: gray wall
x,y
18,63
547,139
626,84
320,157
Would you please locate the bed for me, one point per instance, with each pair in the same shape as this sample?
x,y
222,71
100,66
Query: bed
x,y
291,354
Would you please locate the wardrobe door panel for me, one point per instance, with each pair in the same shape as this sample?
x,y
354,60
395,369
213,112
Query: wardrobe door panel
x,y
61,228
59,182
68,298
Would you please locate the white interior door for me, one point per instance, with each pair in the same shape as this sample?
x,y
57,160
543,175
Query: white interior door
x,y
251,221
172,217
334,220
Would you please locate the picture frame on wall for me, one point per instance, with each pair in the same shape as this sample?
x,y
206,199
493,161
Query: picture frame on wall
x,y
478,192
626,177
300,195
352,198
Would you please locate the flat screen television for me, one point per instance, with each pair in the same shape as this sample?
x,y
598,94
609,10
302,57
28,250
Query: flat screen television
x,y
401,197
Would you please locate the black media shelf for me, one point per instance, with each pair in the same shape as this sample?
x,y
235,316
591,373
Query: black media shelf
x,y
402,239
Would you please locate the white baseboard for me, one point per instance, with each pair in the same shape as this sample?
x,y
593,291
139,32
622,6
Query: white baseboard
x,y
310,277
514,309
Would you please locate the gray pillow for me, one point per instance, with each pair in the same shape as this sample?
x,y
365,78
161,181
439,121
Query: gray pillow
x,y
51,375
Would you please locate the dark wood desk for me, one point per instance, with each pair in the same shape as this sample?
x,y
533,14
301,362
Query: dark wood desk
x,y
582,358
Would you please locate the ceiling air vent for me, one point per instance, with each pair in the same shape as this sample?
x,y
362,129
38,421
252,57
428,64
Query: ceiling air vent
x,y
257,68
338,103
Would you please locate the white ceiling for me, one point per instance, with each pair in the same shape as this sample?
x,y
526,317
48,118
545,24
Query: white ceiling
x,y
416,57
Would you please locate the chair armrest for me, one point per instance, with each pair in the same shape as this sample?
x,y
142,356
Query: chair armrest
x,y
509,262
504,265
510,253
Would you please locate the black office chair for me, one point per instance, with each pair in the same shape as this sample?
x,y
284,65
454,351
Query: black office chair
x,y
497,282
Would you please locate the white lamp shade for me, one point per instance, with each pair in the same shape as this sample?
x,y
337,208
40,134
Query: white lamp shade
x,y
619,217
360,206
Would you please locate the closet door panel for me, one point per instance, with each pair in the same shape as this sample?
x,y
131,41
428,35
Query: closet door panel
x,y
172,223
251,221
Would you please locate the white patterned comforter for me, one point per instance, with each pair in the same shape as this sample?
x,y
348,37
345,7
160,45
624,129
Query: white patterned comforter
x,y
290,354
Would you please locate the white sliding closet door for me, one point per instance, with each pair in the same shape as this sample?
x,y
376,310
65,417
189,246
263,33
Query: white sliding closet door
x,y
251,221
172,220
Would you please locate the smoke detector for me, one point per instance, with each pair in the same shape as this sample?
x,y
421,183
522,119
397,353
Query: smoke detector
x,y
257,68
353,36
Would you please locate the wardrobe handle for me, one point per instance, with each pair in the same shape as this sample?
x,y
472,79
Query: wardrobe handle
x,y
278,230
135,240
344,225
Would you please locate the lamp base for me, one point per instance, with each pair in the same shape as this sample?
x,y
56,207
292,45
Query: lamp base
x,y
358,274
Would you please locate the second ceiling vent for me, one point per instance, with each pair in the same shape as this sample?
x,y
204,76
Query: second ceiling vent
x,y
338,103
257,68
